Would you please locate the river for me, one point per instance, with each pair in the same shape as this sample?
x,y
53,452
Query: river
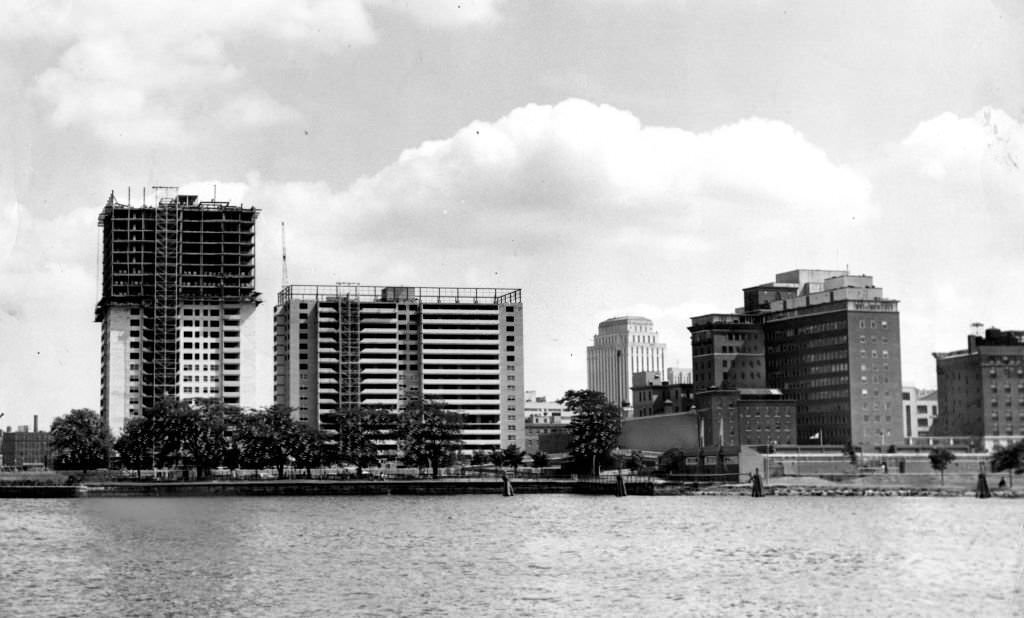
x,y
531,555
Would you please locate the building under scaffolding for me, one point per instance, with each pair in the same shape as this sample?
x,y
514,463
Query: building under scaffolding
x,y
178,287
340,347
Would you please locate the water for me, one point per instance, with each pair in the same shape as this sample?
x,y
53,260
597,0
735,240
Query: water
x,y
529,555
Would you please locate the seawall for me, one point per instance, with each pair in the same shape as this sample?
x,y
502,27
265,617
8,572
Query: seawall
x,y
418,487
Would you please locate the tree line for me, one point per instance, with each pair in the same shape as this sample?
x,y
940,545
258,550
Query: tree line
x,y
205,435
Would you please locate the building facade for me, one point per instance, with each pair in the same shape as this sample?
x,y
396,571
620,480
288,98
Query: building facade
x,y
830,342
981,389
740,416
728,351
920,409
623,346
652,395
178,289
339,347
24,448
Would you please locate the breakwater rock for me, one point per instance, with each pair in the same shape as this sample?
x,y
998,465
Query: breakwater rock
x,y
839,491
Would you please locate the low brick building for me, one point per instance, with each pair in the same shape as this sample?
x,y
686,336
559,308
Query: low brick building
x,y
25,448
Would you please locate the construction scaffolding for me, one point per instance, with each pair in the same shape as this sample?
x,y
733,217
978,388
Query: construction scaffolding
x,y
162,335
161,260
348,353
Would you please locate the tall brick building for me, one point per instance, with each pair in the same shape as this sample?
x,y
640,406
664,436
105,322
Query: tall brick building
x,y
981,389
829,341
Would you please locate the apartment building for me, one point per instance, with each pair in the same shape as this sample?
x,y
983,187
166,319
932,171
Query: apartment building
x,y
345,346
178,289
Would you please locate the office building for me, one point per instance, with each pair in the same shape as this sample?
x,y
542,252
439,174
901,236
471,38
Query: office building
x,y
920,408
728,351
623,346
177,293
981,389
829,341
345,346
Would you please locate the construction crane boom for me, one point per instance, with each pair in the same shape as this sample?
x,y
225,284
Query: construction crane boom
x,y
284,259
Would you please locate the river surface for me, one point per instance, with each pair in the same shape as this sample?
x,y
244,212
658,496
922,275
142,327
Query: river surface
x,y
531,555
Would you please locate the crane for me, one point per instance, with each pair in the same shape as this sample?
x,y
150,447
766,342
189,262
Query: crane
x,y
284,259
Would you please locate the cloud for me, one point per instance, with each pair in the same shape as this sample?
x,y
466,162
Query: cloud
x,y
49,283
256,109
585,206
148,73
446,13
951,191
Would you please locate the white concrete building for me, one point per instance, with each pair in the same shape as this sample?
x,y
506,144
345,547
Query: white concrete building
x,y
920,407
344,346
177,294
623,346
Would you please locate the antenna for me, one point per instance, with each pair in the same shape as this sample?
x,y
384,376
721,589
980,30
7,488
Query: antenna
x,y
284,259
978,328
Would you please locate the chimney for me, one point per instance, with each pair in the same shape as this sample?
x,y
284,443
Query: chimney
x,y
35,423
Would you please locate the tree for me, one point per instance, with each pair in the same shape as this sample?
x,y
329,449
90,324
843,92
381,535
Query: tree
x,y
940,459
197,433
267,437
358,433
636,461
307,447
200,431
1009,458
850,452
594,429
136,445
478,458
429,434
540,459
80,439
496,457
513,457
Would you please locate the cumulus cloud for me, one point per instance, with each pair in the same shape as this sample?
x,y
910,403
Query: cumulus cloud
x,y
145,73
586,207
951,192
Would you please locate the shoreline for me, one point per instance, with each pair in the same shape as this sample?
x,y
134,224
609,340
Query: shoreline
x,y
449,487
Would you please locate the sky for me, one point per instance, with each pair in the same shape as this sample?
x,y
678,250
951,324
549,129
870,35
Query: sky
x,y
609,158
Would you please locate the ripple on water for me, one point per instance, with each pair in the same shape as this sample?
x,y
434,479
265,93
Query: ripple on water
x,y
532,555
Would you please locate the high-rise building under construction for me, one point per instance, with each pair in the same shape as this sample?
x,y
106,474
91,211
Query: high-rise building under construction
x,y
178,288
346,346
